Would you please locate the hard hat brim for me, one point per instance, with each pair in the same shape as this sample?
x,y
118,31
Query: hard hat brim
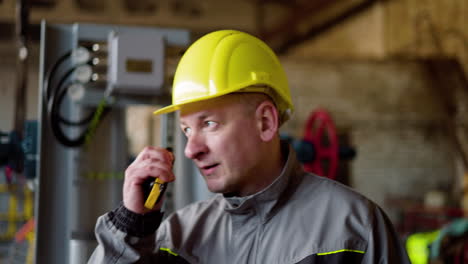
x,y
175,107
167,109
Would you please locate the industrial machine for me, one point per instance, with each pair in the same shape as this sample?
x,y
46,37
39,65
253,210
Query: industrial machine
x,y
89,74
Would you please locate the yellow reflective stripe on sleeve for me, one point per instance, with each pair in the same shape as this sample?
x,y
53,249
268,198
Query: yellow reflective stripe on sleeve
x,y
341,250
168,250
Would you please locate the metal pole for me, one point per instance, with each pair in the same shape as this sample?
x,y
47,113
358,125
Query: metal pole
x,y
22,21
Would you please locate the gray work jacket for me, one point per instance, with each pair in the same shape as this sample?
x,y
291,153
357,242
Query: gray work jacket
x,y
299,218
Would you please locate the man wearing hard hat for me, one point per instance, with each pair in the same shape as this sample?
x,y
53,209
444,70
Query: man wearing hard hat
x,y
233,96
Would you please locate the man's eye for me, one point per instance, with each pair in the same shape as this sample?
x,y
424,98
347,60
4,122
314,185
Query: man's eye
x,y
210,123
186,130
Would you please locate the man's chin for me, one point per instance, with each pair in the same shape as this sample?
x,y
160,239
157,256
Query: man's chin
x,y
215,187
215,190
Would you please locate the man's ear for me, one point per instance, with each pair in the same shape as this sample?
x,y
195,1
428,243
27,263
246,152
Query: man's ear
x,y
267,120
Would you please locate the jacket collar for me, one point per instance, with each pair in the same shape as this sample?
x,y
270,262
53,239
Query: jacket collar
x,y
264,201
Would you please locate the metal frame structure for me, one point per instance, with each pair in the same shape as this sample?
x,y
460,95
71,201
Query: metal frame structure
x,y
67,201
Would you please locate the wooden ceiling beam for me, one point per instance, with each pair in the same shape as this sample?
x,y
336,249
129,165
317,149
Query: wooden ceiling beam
x,y
308,19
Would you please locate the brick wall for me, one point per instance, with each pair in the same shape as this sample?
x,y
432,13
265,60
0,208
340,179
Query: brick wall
x,y
392,117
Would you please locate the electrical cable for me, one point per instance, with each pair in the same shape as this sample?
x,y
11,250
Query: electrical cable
x,y
52,110
54,116
48,79
55,122
53,99
81,122
51,72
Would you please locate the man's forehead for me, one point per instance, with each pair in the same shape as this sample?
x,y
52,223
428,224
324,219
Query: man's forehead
x,y
209,105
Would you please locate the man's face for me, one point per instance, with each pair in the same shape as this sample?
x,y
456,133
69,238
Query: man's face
x,y
223,141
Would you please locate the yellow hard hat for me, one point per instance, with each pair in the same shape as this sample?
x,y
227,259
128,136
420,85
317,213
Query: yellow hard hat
x,y
228,61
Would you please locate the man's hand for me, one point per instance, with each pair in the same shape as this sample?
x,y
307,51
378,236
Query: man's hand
x,y
151,162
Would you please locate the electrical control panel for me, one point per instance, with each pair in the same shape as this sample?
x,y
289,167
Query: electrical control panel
x,y
136,63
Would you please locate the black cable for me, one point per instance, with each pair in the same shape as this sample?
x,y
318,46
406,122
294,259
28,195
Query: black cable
x,y
50,101
53,108
53,99
55,123
81,122
55,118
51,72
47,93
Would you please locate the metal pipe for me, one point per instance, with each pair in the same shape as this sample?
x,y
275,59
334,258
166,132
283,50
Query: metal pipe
x,y
22,21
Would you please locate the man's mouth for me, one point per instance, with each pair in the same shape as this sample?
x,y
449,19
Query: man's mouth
x,y
209,169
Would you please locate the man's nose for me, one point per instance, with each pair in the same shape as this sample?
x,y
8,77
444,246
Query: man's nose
x,y
196,146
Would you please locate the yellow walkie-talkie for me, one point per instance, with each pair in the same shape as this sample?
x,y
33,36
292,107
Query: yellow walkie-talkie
x,y
154,190
158,187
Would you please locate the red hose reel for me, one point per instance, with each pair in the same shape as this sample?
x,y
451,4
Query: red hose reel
x,y
321,132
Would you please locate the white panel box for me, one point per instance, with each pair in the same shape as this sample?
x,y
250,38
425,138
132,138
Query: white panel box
x,y
136,63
